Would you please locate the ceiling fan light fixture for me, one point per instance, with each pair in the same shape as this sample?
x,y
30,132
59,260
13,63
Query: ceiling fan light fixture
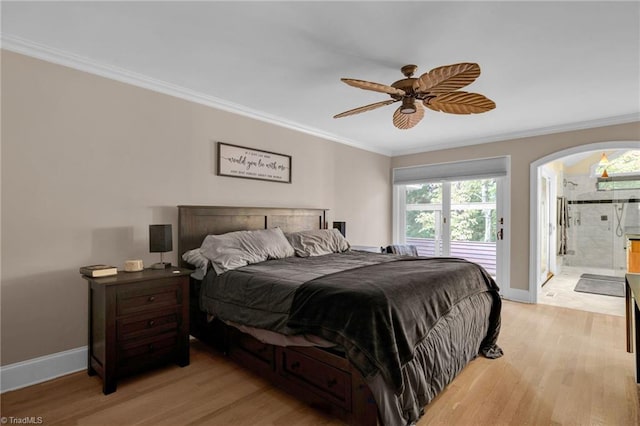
x,y
408,106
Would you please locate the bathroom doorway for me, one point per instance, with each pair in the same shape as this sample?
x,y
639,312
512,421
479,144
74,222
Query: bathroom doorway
x,y
584,217
547,229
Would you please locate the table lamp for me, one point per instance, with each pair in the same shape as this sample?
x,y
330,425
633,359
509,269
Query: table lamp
x,y
342,227
160,241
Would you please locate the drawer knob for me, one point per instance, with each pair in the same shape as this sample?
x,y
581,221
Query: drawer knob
x,y
151,348
331,383
151,299
151,323
295,365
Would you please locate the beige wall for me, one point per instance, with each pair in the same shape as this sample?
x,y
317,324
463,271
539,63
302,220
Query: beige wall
x,y
523,152
88,163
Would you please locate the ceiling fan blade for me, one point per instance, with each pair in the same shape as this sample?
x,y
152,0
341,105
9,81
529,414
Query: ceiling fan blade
x,y
460,103
365,108
376,87
407,121
447,78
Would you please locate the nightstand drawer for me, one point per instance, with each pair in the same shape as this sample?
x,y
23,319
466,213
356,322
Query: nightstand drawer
x,y
147,325
150,354
156,345
144,297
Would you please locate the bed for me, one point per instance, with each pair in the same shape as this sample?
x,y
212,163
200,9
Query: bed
x,y
367,363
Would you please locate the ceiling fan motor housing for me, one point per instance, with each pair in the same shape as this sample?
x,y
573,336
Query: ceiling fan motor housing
x,y
406,84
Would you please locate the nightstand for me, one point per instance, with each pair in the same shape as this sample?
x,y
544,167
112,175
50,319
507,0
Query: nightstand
x,y
137,320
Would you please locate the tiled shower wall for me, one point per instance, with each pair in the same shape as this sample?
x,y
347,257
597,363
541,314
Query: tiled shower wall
x,y
596,232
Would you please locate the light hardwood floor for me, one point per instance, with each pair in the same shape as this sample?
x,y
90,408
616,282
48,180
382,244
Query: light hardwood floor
x,y
561,367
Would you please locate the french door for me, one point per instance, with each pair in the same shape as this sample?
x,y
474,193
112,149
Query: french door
x,y
458,218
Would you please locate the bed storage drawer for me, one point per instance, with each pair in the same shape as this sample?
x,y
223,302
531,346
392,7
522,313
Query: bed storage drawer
x,y
254,347
251,352
315,375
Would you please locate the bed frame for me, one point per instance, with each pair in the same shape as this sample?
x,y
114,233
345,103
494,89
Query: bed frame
x,y
320,377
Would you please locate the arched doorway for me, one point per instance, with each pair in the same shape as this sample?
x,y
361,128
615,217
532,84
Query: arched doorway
x,y
535,240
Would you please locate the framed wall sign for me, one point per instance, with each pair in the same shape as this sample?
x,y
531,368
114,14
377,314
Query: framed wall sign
x,y
249,163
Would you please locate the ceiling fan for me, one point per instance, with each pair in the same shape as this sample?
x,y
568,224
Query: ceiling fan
x,y
436,89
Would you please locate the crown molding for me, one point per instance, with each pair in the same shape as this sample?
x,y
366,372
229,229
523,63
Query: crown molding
x,y
81,63
568,127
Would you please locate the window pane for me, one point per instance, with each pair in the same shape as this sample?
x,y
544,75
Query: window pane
x,y
424,218
473,222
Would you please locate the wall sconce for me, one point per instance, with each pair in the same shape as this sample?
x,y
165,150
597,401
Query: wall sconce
x,y
160,241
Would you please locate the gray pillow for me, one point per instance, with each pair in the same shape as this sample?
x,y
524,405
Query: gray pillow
x,y
318,242
236,249
197,259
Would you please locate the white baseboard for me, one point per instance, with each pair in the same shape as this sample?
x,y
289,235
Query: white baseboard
x,y
41,369
516,295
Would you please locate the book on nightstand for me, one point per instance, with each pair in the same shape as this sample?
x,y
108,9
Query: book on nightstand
x,y
98,270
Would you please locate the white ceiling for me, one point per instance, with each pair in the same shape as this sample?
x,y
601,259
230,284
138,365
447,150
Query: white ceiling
x,y
549,66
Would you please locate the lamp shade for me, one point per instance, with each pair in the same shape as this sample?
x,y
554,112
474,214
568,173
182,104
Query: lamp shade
x,y
160,239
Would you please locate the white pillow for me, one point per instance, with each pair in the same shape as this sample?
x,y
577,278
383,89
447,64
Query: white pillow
x,y
236,249
197,259
318,242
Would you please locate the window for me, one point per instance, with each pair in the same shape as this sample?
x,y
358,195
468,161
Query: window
x,y
456,219
623,171
455,209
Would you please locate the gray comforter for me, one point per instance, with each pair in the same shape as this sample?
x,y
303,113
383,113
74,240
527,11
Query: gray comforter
x,y
400,338
260,295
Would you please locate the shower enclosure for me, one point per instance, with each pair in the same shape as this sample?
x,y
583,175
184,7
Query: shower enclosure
x,y
597,222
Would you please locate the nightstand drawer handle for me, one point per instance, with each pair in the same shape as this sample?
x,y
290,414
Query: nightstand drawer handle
x,y
295,365
332,382
151,299
151,348
151,323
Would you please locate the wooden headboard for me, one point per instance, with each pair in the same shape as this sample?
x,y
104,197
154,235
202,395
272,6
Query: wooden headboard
x,y
196,222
